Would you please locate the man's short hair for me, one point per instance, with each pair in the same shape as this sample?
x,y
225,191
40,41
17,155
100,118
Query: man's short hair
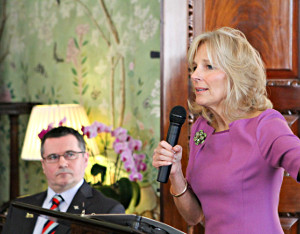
x,y
63,131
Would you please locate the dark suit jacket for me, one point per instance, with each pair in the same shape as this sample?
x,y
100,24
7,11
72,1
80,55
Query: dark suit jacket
x,y
19,221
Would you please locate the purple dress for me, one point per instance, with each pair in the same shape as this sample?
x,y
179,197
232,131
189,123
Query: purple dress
x,y
237,174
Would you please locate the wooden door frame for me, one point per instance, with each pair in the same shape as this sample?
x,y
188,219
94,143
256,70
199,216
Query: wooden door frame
x,y
174,89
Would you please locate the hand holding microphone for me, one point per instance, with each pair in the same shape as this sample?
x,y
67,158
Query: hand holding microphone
x,y
177,118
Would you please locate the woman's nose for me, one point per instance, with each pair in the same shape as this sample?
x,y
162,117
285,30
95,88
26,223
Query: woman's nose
x,y
196,76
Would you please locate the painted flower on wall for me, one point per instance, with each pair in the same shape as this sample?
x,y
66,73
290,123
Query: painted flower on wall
x,y
76,56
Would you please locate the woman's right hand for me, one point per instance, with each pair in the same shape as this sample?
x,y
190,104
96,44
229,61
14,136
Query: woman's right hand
x,y
165,155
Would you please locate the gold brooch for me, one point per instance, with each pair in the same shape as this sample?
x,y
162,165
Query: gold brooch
x,y
199,137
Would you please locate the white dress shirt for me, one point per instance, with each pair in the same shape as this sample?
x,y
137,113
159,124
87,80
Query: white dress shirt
x,y
63,206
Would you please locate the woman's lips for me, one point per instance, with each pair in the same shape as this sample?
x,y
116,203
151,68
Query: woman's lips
x,y
201,89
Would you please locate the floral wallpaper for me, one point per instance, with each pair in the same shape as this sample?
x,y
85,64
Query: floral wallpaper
x,y
94,53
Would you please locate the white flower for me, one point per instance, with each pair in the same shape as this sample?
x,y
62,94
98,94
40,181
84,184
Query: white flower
x,y
101,67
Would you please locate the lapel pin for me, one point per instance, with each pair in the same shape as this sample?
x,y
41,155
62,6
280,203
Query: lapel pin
x,y
28,215
76,207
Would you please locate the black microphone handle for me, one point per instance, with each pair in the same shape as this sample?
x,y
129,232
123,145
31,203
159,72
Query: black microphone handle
x,y
172,139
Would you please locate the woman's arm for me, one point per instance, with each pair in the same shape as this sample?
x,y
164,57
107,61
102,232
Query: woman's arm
x,y
187,203
185,200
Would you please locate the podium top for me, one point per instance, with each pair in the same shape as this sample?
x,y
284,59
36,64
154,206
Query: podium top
x,y
144,224
107,223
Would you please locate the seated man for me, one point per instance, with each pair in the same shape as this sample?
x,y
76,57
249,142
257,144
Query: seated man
x,y
64,159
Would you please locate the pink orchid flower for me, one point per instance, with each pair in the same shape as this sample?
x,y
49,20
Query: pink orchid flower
x,y
124,145
43,132
120,134
135,144
135,176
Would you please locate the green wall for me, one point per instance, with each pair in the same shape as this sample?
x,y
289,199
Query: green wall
x,y
70,51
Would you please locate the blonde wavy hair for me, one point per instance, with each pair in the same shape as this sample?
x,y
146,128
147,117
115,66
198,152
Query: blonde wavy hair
x,y
246,75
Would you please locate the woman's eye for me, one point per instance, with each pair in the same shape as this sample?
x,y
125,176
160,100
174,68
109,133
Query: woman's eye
x,y
194,67
210,67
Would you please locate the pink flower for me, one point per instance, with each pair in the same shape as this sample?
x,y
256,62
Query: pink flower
x,y
135,144
142,166
135,176
120,134
138,159
129,166
62,121
119,147
82,29
124,145
126,156
43,132
89,131
72,51
131,66
101,127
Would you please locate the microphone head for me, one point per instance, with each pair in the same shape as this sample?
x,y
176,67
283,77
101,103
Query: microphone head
x,y
178,115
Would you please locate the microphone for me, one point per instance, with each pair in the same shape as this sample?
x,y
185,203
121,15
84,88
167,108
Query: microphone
x,y
177,118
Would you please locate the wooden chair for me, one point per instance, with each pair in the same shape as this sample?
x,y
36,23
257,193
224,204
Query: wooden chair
x,y
289,205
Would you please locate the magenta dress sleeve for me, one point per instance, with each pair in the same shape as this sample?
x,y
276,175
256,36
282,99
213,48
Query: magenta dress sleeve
x,y
277,143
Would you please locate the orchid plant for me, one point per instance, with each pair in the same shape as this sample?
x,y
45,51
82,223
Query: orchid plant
x,y
125,146
125,190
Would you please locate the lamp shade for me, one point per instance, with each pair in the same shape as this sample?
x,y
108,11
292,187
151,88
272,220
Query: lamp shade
x,y
43,115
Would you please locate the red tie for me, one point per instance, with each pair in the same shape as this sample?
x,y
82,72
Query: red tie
x,y
50,226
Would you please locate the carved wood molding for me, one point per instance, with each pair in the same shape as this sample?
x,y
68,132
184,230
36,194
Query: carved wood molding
x,y
191,22
283,82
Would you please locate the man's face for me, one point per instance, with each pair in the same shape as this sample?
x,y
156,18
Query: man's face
x,y
63,174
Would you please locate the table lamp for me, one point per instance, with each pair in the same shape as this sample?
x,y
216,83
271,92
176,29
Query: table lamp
x,y
43,115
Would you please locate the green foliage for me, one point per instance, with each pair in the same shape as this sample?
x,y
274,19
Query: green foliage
x,y
136,197
96,169
124,191
85,89
76,43
74,71
83,60
85,43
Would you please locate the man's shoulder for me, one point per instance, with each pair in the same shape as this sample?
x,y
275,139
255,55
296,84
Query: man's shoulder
x,y
38,197
98,202
90,191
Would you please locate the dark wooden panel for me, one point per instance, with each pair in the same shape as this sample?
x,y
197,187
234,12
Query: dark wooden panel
x,y
289,200
284,95
270,26
293,121
289,225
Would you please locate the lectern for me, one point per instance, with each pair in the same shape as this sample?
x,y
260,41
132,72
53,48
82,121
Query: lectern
x,y
100,224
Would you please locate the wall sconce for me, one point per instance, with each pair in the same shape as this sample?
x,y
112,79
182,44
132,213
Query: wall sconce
x,y
43,115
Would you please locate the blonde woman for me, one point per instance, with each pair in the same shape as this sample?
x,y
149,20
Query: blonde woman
x,y
239,145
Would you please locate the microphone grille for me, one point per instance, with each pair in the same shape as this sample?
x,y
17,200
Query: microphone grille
x,y
178,115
